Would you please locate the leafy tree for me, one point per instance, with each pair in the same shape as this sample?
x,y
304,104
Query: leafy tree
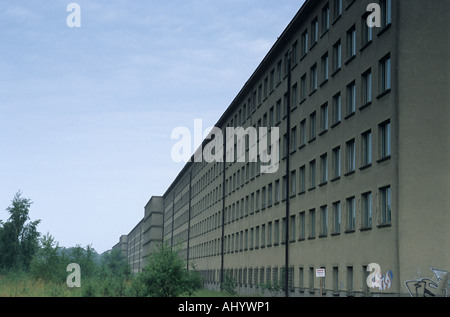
x,y
165,275
49,262
18,236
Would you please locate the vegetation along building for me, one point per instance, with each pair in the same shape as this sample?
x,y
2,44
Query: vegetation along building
x,y
364,178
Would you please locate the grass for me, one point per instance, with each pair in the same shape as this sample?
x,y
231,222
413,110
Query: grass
x,y
21,285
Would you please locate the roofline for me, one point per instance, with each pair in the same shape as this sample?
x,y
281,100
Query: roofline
x,y
249,84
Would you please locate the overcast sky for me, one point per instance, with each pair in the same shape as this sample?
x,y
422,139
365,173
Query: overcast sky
x,y
86,114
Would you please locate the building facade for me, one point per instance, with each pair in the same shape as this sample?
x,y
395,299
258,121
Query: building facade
x,y
363,175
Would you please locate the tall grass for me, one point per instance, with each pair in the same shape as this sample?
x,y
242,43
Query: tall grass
x,y
22,285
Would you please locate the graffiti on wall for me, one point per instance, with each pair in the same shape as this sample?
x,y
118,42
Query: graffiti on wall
x,y
438,285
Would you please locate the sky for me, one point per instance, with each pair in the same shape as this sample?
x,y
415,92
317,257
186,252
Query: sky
x,y
86,114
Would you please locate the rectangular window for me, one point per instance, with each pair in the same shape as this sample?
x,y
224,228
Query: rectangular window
x,y
312,126
302,225
312,223
323,220
367,31
303,88
337,217
350,156
277,191
269,194
325,67
323,169
294,100
302,178
278,111
350,280
351,98
386,12
303,132
269,234
336,162
325,18
366,148
337,56
385,140
351,213
336,108
351,42
337,8
293,139
385,194
293,185
312,174
366,210
385,74
366,87
304,45
313,74
314,31
324,117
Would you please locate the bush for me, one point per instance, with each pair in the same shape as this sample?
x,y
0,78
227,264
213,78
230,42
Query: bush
x,y
165,275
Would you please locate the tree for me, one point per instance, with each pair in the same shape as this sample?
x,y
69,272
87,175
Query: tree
x,y
165,275
18,239
49,263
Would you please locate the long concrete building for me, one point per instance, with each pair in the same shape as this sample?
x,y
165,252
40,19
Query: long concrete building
x,y
363,180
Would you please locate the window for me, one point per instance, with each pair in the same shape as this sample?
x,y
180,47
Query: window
x,y
269,194
294,100
277,232
336,162
366,210
312,174
350,280
302,225
293,139
312,126
351,156
304,45
303,88
279,71
386,12
272,80
337,217
293,185
336,108
314,31
325,18
302,178
351,213
367,87
303,132
366,147
337,56
351,42
337,8
277,191
385,74
335,280
278,112
385,194
385,140
323,220
269,234
312,223
292,228
351,98
323,169
295,53
324,117
366,31
313,77
325,67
